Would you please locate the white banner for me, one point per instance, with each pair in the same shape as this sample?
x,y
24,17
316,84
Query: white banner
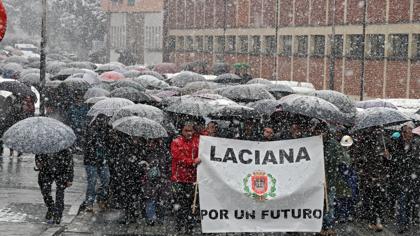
x,y
247,186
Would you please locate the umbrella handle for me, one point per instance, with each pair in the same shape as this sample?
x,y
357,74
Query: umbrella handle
x,y
194,204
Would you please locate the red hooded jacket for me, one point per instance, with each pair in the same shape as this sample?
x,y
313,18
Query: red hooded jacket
x,y
3,20
184,152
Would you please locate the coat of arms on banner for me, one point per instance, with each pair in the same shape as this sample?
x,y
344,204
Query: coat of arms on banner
x,y
263,185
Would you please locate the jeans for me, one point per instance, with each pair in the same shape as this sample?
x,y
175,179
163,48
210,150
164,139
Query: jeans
x,y
45,181
151,210
329,216
403,209
93,172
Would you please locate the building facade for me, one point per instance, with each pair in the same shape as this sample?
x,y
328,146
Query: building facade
x,y
135,26
291,40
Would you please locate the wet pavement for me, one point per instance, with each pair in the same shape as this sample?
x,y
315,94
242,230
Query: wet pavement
x,y
22,210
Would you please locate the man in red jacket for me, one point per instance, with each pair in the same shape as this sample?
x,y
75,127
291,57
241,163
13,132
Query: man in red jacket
x,y
184,151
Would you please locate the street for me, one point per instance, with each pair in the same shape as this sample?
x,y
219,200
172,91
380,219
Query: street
x,y
22,210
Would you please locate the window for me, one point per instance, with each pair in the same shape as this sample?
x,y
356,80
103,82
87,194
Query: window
x,y
399,45
199,43
171,44
376,45
302,45
180,44
337,48
416,46
220,44
355,45
189,43
231,44
286,45
270,44
255,45
243,42
131,2
319,45
209,43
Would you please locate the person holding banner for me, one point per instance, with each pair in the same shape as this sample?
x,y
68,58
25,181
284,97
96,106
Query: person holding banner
x,y
184,151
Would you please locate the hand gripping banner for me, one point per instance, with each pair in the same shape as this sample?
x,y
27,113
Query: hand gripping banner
x,y
247,186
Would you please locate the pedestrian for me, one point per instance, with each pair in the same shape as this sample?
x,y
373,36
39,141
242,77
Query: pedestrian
x,y
268,133
211,129
184,151
405,153
96,155
77,119
58,168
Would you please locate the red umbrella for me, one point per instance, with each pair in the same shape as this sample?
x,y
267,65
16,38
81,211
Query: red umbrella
x,y
111,76
166,68
3,21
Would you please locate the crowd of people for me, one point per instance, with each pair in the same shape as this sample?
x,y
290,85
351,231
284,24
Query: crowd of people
x,y
371,175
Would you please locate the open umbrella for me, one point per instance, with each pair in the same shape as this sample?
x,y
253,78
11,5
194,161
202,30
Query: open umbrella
x,y
53,67
193,87
379,117
132,74
265,106
29,71
82,65
340,100
220,68
140,110
153,73
197,106
312,107
96,92
108,106
74,87
235,111
166,68
228,79
185,77
107,67
32,79
151,82
260,81
94,100
17,88
140,127
137,68
111,76
134,95
246,93
375,103
39,135
16,59
67,72
416,131
128,83
280,90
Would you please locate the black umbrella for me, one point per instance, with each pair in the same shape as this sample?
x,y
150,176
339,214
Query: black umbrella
x,y
152,73
185,77
260,81
107,67
200,85
128,83
197,105
54,67
67,72
246,93
151,82
379,117
340,100
265,106
134,95
312,107
73,87
221,68
235,112
82,65
132,74
375,103
32,79
228,79
16,59
18,89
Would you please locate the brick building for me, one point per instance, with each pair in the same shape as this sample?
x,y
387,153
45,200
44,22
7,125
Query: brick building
x,y
135,26
291,40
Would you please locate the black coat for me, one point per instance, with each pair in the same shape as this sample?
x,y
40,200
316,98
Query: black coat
x,y
58,164
97,146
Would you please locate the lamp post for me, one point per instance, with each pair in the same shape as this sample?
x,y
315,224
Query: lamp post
x,y
362,69
332,56
43,57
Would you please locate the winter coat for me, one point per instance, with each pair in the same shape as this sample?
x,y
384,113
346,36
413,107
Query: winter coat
x,y
76,116
96,151
184,152
58,164
156,171
405,164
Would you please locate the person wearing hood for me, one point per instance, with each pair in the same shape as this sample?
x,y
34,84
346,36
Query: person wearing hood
x,y
58,168
96,155
405,163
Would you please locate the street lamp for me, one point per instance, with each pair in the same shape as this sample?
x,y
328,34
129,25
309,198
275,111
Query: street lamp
x,y
43,57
